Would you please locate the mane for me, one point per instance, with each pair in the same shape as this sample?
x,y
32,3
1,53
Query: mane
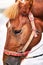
x,y
13,11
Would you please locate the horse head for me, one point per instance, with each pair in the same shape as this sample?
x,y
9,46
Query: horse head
x,y
19,30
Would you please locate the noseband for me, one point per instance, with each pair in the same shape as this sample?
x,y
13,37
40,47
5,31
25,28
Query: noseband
x,y
23,52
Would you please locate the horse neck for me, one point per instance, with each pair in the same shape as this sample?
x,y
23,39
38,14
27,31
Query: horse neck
x,y
40,22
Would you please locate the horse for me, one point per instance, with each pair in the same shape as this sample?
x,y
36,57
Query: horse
x,y
19,32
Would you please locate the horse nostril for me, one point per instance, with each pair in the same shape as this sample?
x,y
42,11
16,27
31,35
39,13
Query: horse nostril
x,y
7,64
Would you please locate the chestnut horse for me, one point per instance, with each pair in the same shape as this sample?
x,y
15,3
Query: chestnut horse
x,y
19,31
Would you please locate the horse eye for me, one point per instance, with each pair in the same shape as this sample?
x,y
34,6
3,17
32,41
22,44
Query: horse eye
x,y
16,31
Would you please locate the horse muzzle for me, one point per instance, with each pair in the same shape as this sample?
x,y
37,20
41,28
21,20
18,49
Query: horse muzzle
x,y
11,60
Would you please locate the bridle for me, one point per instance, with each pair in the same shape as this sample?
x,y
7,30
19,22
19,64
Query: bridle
x,y
23,52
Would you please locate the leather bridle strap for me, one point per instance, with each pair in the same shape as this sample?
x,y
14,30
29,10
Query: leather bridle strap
x,y
12,53
29,41
31,18
24,52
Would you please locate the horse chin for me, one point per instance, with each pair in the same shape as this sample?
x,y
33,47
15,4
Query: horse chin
x,y
11,60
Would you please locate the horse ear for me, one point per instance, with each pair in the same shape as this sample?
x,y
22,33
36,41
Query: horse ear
x,y
30,3
17,0
20,3
8,24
